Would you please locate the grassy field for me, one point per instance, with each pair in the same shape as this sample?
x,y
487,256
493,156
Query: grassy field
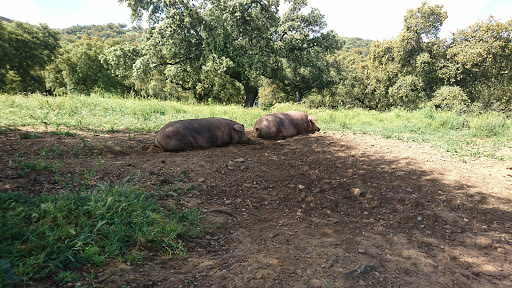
x,y
487,134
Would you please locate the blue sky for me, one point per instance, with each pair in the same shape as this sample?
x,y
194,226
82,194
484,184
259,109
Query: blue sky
x,y
368,19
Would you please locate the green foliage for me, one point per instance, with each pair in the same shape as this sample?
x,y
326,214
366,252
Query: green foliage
x,y
270,94
78,69
351,43
402,71
205,46
30,135
417,67
304,51
23,167
45,234
103,32
407,92
25,51
450,98
479,61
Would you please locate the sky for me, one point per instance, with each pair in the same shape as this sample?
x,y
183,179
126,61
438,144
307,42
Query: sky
x,y
367,19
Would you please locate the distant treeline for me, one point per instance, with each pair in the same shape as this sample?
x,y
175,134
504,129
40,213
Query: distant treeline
x,y
246,51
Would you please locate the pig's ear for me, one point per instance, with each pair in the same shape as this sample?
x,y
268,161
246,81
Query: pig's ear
x,y
312,119
239,127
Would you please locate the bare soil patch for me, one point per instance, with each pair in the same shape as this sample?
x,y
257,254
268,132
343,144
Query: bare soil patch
x,y
322,210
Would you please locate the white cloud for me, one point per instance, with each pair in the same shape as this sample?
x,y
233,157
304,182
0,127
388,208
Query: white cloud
x,y
22,10
108,11
365,18
380,20
63,14
369,19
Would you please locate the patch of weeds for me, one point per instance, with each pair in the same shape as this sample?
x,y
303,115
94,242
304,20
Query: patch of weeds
x,y
179,187
112,129
66,277
52,152
84,142
45,235
133,257
4,129
23,167
85,148
64,133
134,177
81,180
126,145
30,135
77,153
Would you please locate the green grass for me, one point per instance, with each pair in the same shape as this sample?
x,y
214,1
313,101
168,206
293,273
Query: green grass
x,y
49,234
30,135
464,135
23,167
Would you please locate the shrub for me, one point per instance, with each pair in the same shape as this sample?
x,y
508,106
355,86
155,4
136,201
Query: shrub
x,y
450,98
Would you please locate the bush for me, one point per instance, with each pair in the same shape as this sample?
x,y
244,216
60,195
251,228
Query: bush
x,y
450,98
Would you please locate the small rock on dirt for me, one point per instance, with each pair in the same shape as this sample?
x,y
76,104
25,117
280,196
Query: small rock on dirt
x,y
265,274
460,279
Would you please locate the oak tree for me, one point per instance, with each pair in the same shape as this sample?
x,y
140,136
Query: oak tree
x,y
197,42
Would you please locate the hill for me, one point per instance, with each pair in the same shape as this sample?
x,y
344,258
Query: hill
x,y
4,19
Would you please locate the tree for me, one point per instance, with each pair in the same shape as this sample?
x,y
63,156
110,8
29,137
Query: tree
x,y
25,51
195,43
403,71
103,32
5,54
479,60
78,69
304,51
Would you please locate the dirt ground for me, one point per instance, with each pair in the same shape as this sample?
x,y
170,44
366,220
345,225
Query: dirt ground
x,y
321,210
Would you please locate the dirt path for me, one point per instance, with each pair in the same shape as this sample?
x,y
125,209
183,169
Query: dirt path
x,y
324,210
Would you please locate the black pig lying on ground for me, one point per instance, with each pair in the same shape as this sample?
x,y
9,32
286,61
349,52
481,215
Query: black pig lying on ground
x,y
190,134
285,124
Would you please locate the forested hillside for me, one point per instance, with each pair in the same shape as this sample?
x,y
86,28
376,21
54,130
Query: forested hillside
x,y
208,53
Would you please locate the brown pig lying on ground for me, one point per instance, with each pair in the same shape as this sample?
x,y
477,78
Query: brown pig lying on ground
x,y
183,135
285,124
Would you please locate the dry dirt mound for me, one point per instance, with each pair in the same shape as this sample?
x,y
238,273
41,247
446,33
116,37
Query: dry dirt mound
x,y
323,210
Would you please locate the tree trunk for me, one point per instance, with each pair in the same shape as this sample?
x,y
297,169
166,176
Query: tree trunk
x,y
298,96
251,93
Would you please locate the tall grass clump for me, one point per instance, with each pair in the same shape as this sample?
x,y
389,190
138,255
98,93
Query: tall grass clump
x,y
491,124
45,234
